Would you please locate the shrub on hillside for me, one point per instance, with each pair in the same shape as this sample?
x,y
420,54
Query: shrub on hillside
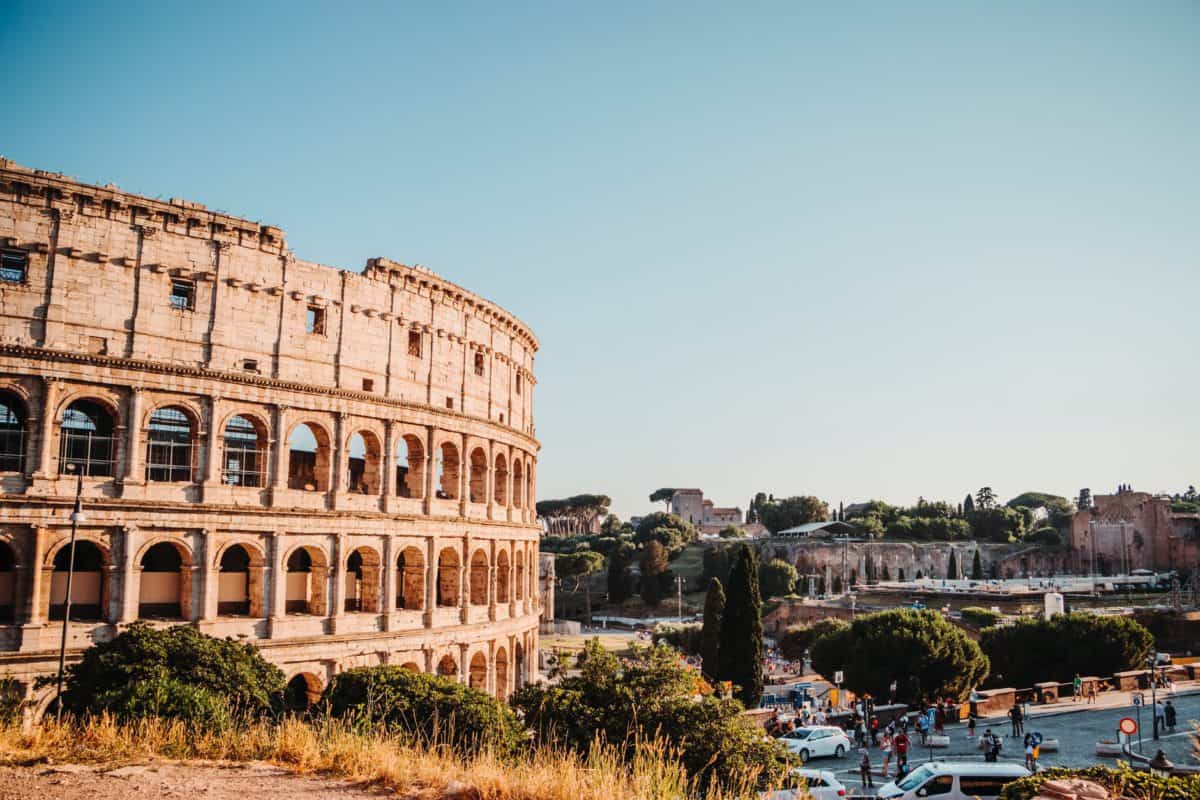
x,y
1120,782
683,636
435,709
980,617
650,696
177,673
797,639
777,578
1045,536
1033,650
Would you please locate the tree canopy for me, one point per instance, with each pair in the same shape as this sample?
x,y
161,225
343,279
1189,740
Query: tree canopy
x,y
1032,650
672,532
777,578
788,512
710,633
741,650
573,515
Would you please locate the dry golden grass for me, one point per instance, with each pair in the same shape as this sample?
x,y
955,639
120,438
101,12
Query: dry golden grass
x,y
416,770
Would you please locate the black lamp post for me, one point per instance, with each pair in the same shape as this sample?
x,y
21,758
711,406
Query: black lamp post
x,y
1154,690
77,516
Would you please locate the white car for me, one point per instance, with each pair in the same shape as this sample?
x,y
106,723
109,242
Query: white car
x,y
950,780
817,741
814,783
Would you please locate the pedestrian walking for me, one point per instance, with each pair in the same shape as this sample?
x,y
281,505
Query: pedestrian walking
x,y
1076,688
885,747
972,717
875,731
923,729
1160,716
1014,714
900,744
1092,691
1169,715
1029,752
864,766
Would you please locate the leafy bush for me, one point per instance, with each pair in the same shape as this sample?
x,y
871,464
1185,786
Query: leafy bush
x,y
797,639
919,650
1033,650
1047,536
938,529
433,708
1120,782
650,696
177,673
670,531
981,617
777,578
683,636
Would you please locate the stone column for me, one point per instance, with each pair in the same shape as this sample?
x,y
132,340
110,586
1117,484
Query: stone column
x,y
428,653
510,485
34,613
389,582
387,466
489,479
464,666
338,571
431,571
491,584
130,574
50,392
134,457
279,452
464,581
490,680
278,584
464,475
512,586
430,470
212,455
340,460
210,575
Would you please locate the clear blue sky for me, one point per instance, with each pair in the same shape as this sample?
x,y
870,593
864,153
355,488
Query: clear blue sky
x,y
874,250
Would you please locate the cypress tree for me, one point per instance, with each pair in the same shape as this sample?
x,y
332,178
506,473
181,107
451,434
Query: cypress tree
x,y
976,568
900,574
741,648
710,631
952,566
968,504
618,574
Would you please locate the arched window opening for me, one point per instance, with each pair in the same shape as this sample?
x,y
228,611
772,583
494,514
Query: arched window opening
x,y
169,446
245,453
447,668
307,571
87,584
448,582
308,459
363,471
478,485
233,582
478,676
362,581
518,484
502,577
410,467
8,583
87,440
410,572
12,433
302,693
479,579
448,472
501,489
501,674
161,593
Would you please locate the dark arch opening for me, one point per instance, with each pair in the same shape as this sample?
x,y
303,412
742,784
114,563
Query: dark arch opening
x,y
12,433
160,595
87,584
233,583
8,583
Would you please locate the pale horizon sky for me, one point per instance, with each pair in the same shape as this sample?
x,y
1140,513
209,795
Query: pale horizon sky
x,y
853,250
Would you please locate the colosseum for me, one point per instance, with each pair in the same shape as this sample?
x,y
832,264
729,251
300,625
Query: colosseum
x,y
338,467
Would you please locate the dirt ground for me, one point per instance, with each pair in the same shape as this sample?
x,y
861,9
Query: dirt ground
x,y
213,782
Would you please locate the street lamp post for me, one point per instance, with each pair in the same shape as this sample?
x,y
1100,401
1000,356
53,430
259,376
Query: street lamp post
x,y
1154,691
77,516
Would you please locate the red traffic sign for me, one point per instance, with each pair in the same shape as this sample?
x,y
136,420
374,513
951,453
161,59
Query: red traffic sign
x,y
1127,726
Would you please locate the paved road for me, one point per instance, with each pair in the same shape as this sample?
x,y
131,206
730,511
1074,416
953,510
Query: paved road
x,y
1076,726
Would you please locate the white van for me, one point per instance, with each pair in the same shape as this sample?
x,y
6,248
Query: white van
x,y
951,780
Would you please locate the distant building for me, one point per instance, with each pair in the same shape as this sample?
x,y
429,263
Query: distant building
x,y
689,504
1134,530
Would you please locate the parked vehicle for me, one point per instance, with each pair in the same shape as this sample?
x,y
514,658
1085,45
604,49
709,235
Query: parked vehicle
x,y
949,780
817,741
814,783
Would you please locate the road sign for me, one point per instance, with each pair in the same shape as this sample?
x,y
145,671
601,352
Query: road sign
x,y
837,676
1127,726
1137,699
1036,738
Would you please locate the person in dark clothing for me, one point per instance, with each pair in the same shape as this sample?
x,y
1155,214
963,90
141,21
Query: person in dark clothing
x,y
1014,714
1169,715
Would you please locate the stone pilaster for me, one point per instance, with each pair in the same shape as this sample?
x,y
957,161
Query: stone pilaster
x,y
209,577
337,569
51,388
135,471
431,578
278,585
130,575
387,466
213,446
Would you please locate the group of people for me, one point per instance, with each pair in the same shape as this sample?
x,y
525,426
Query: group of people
x,y
895,740
1080,692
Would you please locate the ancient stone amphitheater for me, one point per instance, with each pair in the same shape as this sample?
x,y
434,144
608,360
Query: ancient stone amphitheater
x,y
337,467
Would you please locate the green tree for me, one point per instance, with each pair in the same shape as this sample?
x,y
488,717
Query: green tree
x,y
797,639
579,567
996,524
710,633
920,650
980,617
435,709
730,532
717,561
741,650
649,696
1032,650
952,566
175,672
968,504
789,512
662,496
777,578
653,564
976,567
573,515
619,580
985,498
670,531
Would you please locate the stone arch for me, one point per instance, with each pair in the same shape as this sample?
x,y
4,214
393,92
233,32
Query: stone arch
x,y
306,581
87,438
501,666
8,582
302,692
245,444
520,574
171,443
363,462
410,572
89,589
447,667
410,467
14,419
500,489
479,468
448,583
164,580
308,457
362,580
479,578
477,674
240,578
448,467
518,490
502,577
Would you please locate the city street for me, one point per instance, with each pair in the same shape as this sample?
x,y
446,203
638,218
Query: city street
x,y
1077,727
